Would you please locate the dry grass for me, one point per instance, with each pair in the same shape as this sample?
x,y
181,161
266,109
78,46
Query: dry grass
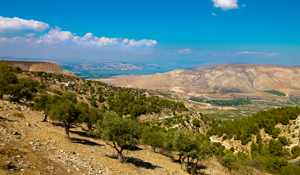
x,y
17,108
19,115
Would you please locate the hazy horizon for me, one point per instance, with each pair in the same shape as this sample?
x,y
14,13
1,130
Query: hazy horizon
x,y
172,34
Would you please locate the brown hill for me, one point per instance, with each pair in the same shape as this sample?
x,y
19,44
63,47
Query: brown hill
x,y
40,66
237,78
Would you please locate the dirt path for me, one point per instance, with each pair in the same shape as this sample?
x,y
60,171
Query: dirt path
x,y
213,140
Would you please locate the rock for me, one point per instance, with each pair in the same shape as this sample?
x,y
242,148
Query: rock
x,y
10,166
61,151
15,133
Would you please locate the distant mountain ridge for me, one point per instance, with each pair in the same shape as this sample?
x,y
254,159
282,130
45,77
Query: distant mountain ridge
x,y
40,66
234,78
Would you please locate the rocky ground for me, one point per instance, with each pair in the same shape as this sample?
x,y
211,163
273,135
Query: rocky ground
x,y
29,146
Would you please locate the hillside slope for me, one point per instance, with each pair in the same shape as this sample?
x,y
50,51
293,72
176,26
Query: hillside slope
x,y
40,66
28,146
237,78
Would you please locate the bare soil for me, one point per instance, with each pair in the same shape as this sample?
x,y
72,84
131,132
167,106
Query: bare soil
x,y
29,146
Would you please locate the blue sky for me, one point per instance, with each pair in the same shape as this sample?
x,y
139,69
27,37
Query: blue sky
x,y
167,32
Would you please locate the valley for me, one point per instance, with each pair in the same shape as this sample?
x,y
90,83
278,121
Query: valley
x,y
261,84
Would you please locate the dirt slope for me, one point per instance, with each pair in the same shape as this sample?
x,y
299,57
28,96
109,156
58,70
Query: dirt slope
x,y
236,78
40,66
28,146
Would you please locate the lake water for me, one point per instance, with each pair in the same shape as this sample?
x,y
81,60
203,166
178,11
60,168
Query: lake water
x,y
135,72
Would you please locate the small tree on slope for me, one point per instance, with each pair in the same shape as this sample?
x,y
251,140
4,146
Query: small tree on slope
x,y
122,132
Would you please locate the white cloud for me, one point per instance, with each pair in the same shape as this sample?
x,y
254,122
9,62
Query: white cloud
x,y
17,40
57,36
89,40
214,14
260,54
143,42
226,4
244,5
13,25
185,51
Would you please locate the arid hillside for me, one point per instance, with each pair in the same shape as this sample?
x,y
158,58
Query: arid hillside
x,y
236,78
40,66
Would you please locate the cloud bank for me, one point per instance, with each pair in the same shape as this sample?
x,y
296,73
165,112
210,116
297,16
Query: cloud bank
x,y
261,54
57,36
14,25
226,4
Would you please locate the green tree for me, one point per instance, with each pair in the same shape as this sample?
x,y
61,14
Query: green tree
x,y
196,123
283,140
101,98
229,160
182,143
89,115
7,77
122,132
6,74
41,103
66,112
93,101
259,142
254,149
154,137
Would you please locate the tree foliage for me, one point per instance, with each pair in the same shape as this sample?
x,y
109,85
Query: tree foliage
x,y
121,132
66,112
243,128
89,115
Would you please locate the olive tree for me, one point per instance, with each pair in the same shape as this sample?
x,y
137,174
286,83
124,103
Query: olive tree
x,y
154,137
121,132
66,112
7,77
41,103
89,115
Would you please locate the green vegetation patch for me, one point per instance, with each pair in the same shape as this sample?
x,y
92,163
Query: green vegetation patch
x,y
233,102
276,93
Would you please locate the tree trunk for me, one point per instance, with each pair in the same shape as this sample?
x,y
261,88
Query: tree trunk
x,y
180,156
45,119
120,157
67,129
90,126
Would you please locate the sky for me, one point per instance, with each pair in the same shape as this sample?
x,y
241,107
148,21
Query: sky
x,y
174,33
